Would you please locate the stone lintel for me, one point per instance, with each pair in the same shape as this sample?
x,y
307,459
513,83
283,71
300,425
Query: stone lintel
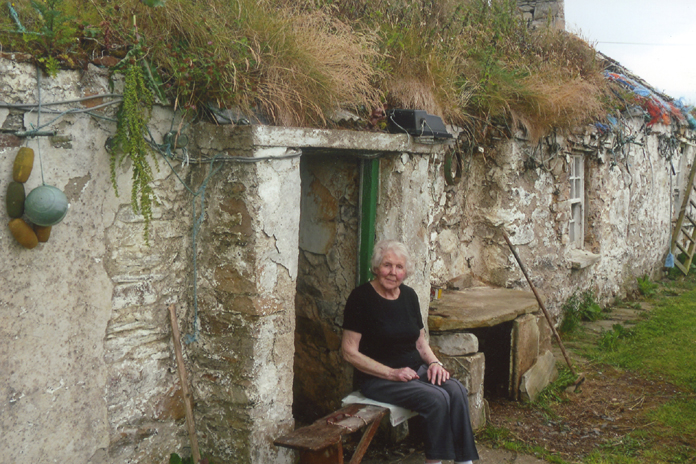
x,y
328,140
479,307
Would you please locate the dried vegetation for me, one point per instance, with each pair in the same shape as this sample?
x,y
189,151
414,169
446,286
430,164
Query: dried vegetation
x,y
473,62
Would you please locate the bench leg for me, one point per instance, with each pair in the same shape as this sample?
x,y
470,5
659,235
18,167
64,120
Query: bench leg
x,y
330,455
364,442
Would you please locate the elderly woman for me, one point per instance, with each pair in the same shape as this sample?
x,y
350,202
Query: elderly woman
x,y
384,339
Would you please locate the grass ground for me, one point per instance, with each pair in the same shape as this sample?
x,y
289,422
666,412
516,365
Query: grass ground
x,y
638,404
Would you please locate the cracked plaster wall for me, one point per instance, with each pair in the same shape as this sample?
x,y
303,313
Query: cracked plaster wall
x,y
404,213
242,365
86,339
91,374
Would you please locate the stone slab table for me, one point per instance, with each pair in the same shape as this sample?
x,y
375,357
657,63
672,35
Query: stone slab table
x,y
477,309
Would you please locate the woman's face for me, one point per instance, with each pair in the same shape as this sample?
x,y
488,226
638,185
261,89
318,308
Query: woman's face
x,y
391,271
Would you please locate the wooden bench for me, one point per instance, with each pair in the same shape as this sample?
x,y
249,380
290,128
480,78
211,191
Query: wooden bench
x,y
322,441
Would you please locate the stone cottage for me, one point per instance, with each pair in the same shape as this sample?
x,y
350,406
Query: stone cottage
x,y
259,235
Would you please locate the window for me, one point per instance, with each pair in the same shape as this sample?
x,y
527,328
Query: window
x,y
577,201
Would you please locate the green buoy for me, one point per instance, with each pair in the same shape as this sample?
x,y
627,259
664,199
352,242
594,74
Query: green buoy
x,y
46,205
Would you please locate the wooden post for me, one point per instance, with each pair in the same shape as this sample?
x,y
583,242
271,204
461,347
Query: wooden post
x,y
184,386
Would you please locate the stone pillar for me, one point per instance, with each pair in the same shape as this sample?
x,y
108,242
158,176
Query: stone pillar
x,y
243,358
403,210
459,353
538,13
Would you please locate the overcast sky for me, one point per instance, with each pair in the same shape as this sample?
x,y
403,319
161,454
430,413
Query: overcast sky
x,y
654,39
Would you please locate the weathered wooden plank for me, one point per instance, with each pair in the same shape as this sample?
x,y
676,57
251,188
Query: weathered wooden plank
x,y
331,455
365,442
328,430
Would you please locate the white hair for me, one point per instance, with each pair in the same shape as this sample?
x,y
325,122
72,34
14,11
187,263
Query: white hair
x,y
399,249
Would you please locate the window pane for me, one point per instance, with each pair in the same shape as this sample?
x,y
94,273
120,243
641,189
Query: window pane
x,y
572,189
577,217
578,166
571,231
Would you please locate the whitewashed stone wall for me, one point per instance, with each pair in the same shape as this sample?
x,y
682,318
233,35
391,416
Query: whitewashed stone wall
x,y
627,204
85,334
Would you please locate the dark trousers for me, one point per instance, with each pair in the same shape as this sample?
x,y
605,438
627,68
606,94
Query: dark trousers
x,y
445,409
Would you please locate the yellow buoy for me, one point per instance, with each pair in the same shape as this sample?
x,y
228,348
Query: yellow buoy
x,y
23,164
23,233
42,233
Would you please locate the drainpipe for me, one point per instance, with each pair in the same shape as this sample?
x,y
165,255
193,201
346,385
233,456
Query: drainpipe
x,y
369,187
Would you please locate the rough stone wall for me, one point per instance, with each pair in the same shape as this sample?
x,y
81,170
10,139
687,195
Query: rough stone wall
x,y
242,364
328,262
539,13
90,368
526,190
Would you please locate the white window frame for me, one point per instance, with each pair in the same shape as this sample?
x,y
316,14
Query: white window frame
x,y
576,181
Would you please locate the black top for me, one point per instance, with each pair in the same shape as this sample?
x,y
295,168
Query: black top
x,y
389,328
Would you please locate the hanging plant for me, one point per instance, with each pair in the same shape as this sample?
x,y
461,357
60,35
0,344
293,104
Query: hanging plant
x,y
129,142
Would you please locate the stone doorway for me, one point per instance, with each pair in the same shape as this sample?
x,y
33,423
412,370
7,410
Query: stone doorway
x,y
328,247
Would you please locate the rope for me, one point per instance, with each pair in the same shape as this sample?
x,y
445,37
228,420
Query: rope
x,y
188,339
15,17
38,123
62,102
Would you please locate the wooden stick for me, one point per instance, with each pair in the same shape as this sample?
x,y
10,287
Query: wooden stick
x,y
184,386
365,440
541,304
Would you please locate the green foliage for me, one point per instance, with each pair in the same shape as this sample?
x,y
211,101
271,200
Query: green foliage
x,y
176,459
609,340
646,287
56,29
553,392
579,307
198,74
629,445
679,415
54,32
129,142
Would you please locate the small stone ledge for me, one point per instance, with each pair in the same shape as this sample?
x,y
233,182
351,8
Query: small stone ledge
x,y
580,259
455,344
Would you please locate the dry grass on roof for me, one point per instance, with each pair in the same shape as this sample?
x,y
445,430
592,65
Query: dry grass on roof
x,y
296,61
294,65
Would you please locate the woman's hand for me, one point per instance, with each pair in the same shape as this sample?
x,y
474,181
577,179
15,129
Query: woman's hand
x,y
403,375
437,374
